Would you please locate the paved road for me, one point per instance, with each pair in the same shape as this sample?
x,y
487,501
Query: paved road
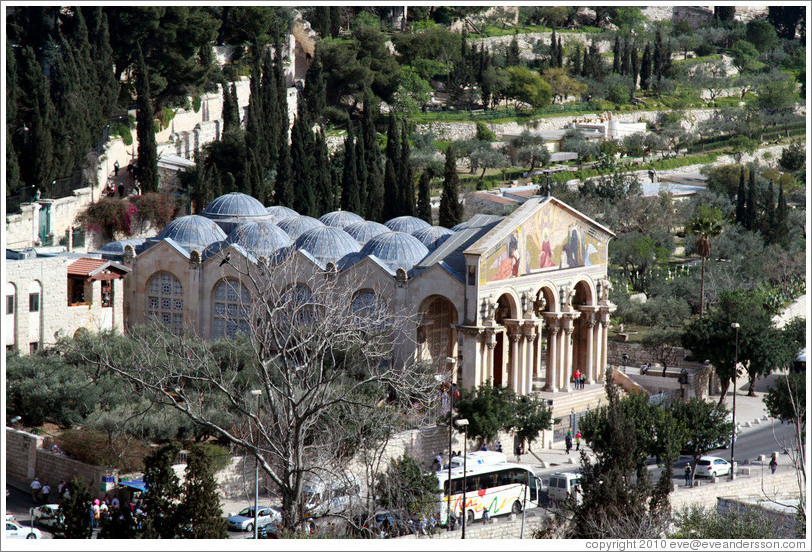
x,y
19,504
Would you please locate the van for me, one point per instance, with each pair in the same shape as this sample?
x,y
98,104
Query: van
x,y
563,485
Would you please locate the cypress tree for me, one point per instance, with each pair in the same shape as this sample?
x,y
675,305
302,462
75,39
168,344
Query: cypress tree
x,y
325,194
781,233
512,56
230,111
553,46
36,152
484,84
576,60
741,199
88,79
393,143
361,174
374,189
450,213
314,96
165,492
282,93
199,513
304,201
390,192
662,57
626,61
75,523
406,184
559,54
752,208
350,201
71,129
335,21
768,221
270,98
108,85
283,188
596,62
635,64
147,146
321,20
424,197
255,132
586,66
616,55
645,68
13,182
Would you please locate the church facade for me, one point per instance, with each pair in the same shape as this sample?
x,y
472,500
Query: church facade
x,y
521,301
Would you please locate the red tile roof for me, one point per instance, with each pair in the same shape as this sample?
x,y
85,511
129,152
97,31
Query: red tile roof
x,y
84,267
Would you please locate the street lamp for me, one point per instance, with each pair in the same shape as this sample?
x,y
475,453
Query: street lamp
x,y
463,423
735,326
257,393
452,390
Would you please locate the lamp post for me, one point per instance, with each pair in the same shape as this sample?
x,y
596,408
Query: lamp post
x,y
463,423
257,393
452,390
735,326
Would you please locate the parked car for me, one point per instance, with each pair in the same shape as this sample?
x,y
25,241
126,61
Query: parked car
x,y
712,466
16,531
390,524
244,521
563,485
47,515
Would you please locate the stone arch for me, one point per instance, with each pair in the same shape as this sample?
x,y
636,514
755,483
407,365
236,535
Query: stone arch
x,y
436,331
584,293
230,308
164,294
546,299
507,309
583,302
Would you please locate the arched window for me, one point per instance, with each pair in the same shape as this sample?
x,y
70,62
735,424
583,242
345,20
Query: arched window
x,y
230,309
364,302
165,301
438,335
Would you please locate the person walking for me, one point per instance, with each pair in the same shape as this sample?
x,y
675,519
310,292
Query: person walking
x,y
576,378
115,168
568,441
773,465
578,441
36,487
583,379
688,475
46,492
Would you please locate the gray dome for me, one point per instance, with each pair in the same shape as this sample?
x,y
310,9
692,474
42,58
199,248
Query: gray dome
x,y
396,249
432,236
340,219
259,237
117,247
298,225
327,243
406,224
366,230
234,204
280,212
193,232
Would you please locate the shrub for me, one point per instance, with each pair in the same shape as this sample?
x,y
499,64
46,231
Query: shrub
x,y
126,135
484,133
167,114
196,103
95,447
155,208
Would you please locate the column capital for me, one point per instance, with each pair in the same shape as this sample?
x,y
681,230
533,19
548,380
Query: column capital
x,y
490,338
514,337
529,330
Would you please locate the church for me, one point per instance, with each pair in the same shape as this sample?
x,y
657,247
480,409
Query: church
x,y
521,300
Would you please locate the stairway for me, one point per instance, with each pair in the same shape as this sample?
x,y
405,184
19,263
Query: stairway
x,y
580,400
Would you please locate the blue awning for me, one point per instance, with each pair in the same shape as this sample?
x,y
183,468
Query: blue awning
x,y
136,484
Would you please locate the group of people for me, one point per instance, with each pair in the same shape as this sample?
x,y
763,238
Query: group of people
x,y
568,441
579,379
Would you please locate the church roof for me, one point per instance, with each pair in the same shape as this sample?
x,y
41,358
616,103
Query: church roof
x,y
396,249
366,230
234,204
192,232
280,212
406,224
340,219
298,225
327,243
432,236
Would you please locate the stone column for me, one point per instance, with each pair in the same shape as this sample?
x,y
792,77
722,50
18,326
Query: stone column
x,y
604,334
526,375
589,320
551,383
514,357
491,344
482,371
567,354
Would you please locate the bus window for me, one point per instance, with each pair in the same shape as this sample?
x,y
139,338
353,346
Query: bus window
x,y
488,480
456,486
504,477
519,476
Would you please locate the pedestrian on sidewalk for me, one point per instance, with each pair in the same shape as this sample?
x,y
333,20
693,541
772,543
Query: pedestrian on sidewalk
x,y
36,487
568,441
46,492
578,441
115,168
519,452
773,464
688,475
576,378
583,379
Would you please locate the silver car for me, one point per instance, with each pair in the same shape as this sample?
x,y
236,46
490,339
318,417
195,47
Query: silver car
x,y
712,466
244,521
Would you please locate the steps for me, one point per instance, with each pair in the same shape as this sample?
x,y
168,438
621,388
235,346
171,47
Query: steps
x,y
580,400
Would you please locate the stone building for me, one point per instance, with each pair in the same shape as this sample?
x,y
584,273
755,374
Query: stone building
x,y
54,295
520,300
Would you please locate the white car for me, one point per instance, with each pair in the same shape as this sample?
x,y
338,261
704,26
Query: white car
x,y
16,531
47,515
712,466
244,521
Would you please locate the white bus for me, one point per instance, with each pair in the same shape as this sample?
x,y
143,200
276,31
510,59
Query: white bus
x,y
492,484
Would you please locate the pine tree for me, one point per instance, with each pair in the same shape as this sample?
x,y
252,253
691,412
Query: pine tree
x,y
616,55
75,510
406,175
646,69
350,201
741,199
283,188
199,513
147,146
390,192
450,213
304,201
164,493
361,174
325,193
424,197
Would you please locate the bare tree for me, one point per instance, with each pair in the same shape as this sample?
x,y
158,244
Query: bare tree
x,y
324,360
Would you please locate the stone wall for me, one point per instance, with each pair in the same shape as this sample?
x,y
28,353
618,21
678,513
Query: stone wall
x,y
21,454
783,482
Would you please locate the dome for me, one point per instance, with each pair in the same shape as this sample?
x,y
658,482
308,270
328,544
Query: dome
x,y
117,247
396,249
366,230
235,204
340,219
406,224
432,236
296,226
259,237
280,212
327,243
193,232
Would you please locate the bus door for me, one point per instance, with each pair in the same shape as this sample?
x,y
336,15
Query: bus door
x,y
535,485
